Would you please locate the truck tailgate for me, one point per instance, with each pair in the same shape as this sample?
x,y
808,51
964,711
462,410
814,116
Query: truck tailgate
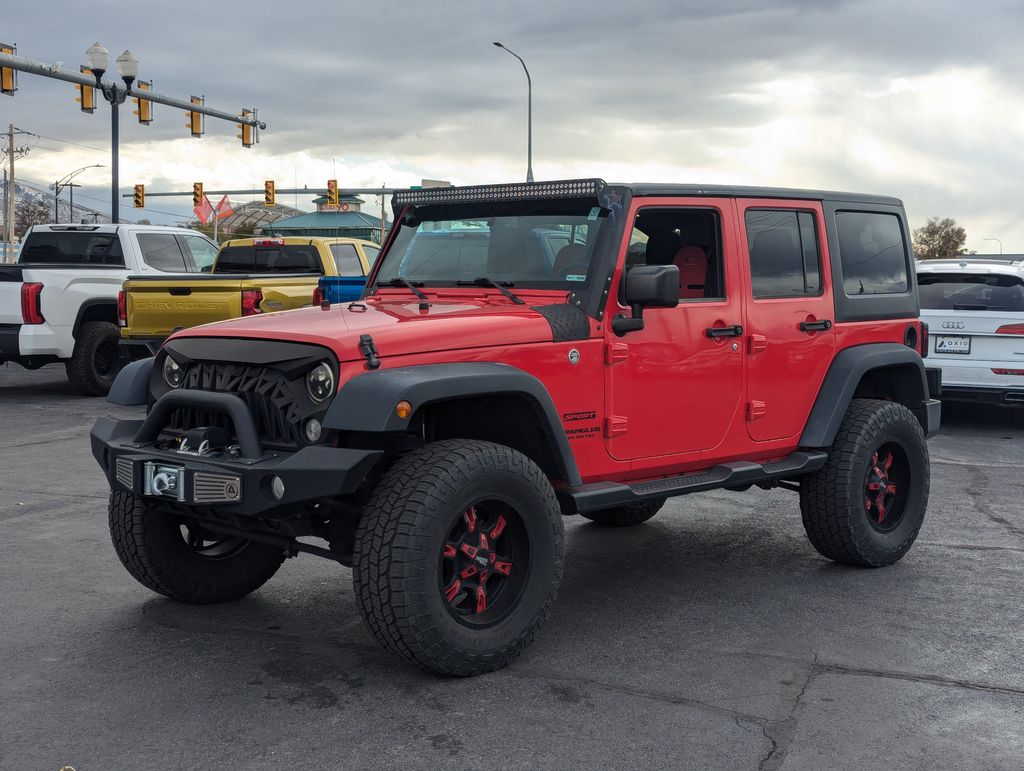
x,y
10,294
156,307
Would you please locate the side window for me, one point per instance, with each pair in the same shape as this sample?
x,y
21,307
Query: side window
x,y
783,248
688,238
372,253
203,252
873,253
347,260
161,251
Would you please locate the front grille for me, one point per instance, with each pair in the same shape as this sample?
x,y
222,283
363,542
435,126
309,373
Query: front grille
x,y
265,391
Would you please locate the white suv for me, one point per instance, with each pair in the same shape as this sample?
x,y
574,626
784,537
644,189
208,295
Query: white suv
x,y
974,307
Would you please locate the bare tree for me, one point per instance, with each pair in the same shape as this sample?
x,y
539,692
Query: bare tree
x,y
28,212
939,239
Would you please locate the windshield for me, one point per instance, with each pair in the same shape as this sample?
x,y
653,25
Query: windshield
x,y
971,292
514,246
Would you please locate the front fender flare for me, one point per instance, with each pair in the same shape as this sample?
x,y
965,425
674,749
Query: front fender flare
x,y
367,402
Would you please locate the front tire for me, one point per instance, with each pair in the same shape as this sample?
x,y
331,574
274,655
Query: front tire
x,y
866,505
178,559
458,556
95,361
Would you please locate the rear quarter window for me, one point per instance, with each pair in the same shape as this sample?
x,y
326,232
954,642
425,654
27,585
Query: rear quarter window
x,y
346,259
873,253
72,248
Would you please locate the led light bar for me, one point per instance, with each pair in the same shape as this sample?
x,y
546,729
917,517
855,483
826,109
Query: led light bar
x,y
567,188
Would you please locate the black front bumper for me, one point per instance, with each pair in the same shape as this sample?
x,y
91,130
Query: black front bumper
x,y
232,486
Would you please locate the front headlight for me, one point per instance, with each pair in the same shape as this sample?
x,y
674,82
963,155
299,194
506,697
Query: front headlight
x,y
320,382
174,373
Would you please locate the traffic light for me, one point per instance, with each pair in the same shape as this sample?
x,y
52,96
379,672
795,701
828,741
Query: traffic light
x,y
332,192
197,193
248,132
195,119
139,199
8,76
144,107
86,94
269,194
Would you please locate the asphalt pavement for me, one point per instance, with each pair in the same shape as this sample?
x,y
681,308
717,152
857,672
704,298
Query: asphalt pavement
x,y
712,637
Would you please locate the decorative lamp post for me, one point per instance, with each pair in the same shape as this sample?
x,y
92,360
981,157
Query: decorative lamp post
x,y
97,59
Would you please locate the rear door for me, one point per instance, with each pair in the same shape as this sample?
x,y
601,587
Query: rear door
x,y
790,337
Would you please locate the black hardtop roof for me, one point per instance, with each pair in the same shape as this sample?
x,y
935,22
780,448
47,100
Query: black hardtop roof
x,y
746,191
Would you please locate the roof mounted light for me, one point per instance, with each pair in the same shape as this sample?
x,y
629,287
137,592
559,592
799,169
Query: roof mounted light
x,y
566,188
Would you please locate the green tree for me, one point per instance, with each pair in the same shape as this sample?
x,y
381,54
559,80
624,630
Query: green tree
x,y
939,239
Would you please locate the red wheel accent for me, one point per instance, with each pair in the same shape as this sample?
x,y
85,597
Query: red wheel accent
x,y
476,566
882,489
452,590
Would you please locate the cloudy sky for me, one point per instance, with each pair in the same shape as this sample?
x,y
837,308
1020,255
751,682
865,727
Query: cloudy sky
x,y
922,100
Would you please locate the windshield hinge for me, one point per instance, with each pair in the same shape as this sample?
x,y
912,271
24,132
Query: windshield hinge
x,y
369,351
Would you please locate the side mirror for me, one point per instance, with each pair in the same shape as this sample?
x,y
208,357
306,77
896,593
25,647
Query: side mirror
x,y
647,286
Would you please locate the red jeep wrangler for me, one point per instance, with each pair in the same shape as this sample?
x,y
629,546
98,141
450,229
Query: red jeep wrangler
x,y
525,352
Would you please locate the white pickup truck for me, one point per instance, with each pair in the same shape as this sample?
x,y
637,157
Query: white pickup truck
x,y
59,302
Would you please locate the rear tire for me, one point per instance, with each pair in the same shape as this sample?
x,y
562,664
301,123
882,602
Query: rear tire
x,y
95,361
626,516
458,556
177,559
865,506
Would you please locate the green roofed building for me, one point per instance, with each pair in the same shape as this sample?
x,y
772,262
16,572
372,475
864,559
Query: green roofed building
x,y
346,220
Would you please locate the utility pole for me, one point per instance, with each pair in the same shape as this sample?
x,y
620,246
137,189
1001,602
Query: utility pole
x,y
10,190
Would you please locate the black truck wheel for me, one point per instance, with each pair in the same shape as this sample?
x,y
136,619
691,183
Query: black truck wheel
x,y
95,361
626,516
866,505
458,556
181,560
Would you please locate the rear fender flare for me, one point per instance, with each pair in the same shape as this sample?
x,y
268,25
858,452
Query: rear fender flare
x,y
366,403
846,373
103,305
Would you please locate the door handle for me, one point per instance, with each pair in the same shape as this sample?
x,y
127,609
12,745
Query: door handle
x,y
179,291
734,331
815,326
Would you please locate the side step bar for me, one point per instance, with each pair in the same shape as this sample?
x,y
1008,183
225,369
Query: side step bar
x,y
604,495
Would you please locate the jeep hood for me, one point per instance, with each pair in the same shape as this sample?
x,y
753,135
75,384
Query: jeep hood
x,y
397,328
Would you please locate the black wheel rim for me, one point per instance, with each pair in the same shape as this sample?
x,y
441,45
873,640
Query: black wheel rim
x,y
483,564
887,487
105,359
209,545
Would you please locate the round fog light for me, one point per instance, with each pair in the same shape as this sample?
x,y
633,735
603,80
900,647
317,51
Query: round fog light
x,y
277,487
313,429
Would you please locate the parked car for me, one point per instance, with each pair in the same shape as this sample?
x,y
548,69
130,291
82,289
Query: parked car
x,y
974,308
249,276
434,434
58,303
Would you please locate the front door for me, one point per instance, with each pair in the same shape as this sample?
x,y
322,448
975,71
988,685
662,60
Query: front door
x,y
789,338
676,385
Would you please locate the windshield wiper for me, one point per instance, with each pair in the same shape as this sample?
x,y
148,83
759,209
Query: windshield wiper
x,y
976,307
499,285
410,285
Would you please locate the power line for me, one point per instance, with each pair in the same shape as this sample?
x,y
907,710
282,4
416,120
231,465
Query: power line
x,y
65,141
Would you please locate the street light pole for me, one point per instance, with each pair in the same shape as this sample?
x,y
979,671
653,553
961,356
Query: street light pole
x,y
97,58
64,182
529,112
997,241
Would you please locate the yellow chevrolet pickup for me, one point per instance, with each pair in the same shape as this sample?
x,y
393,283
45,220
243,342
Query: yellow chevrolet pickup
x,y
249,276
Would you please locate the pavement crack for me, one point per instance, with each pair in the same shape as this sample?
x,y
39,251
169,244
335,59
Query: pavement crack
x,y
780,732
946,682
976,490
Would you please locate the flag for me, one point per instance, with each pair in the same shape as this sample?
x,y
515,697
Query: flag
x,y
224,209
203,210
